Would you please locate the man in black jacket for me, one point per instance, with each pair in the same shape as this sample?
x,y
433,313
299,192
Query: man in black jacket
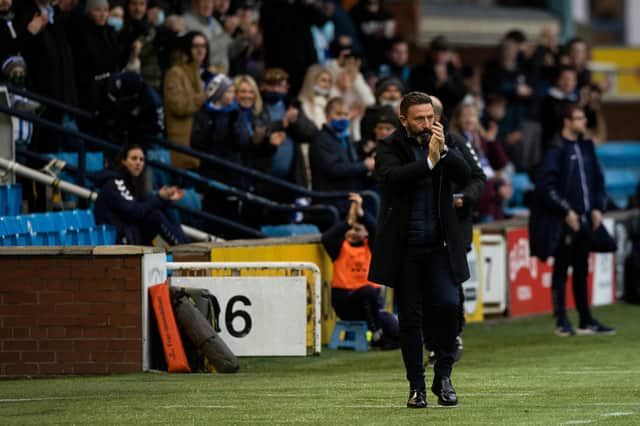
x,y
335,165
571,198
419,249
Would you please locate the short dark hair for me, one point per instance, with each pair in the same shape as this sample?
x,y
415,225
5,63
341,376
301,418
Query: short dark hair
x,y
413,98
563,69
569,109
333,102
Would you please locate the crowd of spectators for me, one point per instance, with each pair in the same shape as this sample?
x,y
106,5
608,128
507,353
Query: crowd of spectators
x,y
299,89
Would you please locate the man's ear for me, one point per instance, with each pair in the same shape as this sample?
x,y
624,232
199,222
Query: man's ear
x,y
403,119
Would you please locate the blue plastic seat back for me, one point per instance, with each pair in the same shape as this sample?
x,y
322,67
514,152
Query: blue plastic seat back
x,y
16,225
10,200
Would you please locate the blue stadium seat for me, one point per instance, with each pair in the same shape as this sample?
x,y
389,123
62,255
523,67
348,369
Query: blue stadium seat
x,y
619,154
521,184
41,222
78,237
15,225
620,184
289,230
36,239
10,200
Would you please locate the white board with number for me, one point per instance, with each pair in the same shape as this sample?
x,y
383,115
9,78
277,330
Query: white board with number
x,y
259,316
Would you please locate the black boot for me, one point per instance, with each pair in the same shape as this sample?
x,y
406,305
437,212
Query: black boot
x,y
417,399
445,392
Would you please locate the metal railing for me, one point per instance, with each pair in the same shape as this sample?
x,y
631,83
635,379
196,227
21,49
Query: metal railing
x,y
190,176
294,189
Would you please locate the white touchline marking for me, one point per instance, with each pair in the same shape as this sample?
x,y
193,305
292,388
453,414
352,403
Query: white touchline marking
x,y
599,372
577,422
53,398
198,406
618,414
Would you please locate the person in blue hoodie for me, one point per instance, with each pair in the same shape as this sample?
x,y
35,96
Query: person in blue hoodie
x,y
137,219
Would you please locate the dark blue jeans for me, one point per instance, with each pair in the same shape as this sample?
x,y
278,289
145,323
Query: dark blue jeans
x,y
426,292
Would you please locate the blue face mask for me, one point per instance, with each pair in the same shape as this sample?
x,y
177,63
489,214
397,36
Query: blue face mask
x,y
115,22
211,107
340,126
272,97
161,18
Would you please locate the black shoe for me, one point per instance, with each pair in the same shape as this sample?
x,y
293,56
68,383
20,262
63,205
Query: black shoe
x,y
417,399
445,392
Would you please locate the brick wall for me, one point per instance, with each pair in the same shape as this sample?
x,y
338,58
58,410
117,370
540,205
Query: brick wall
x,y
66,314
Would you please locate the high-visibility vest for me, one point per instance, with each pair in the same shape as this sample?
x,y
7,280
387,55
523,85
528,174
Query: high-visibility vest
x,y
351,268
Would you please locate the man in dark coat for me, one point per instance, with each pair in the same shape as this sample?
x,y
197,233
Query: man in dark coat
x,y
419,249
335,165
570,199
8,35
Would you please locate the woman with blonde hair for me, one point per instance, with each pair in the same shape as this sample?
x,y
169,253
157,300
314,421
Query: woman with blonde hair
x,y
315,92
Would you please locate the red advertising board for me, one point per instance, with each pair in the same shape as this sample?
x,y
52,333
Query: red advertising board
x,y
530,279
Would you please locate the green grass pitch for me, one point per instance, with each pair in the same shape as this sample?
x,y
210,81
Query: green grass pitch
x,y
512,373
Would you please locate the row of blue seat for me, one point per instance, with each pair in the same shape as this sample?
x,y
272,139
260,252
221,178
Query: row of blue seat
x,y
94,236
46,222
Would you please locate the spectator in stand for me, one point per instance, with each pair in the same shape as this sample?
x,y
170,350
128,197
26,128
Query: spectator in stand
x,y
323,35
289,161
95,48
42,30
506,76
9,45
562,94
376,28
138,219
384,124
288,43
440,75
139,42
388,96
116,17
350,84
543,65
245,51
335,165
184,95
397,61
570,189
315,93
591,102
353,296
491,156
200,18
253,137
578,52
14,70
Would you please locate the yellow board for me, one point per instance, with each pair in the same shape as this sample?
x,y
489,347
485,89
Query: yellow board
x,y
628,62
473,311
312,252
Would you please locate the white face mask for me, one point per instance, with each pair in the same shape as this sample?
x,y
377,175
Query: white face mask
x,y
393,104
320,91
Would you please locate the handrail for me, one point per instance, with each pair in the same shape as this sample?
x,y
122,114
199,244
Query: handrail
x,y
298,190
44,100
332,210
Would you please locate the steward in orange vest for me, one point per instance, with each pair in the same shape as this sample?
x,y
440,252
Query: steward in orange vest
x,y
353,297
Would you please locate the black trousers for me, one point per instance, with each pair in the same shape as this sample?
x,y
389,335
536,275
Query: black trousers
x,y
572,250
427,293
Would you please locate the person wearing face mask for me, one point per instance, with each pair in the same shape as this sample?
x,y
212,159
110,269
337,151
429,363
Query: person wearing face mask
x,y
388,96
14,70
315,93
354,298
289,160
8,35
137,218
335,164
